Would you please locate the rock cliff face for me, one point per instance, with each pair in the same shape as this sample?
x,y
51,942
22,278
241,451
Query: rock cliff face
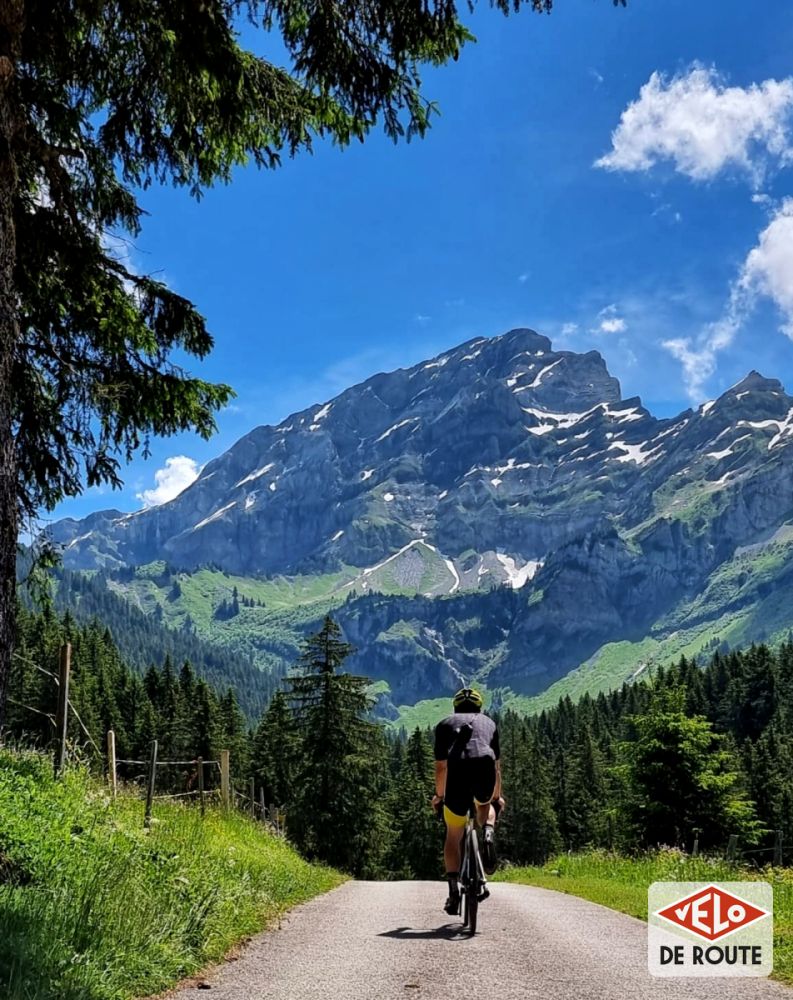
x,y
450,450
502,461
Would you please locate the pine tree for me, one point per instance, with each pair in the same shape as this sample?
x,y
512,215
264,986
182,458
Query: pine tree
x,y
276,752
234,735
417,842
338,813
586,799
529,830
681,776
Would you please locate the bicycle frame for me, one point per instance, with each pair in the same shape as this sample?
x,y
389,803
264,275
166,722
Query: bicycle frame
x,y
473,881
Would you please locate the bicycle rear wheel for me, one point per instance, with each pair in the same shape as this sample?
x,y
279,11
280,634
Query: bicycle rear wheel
x,y
472,880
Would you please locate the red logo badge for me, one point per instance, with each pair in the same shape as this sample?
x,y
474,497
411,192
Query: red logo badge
x,y
712,913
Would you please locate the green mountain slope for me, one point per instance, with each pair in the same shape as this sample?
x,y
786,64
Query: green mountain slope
x,y
418,649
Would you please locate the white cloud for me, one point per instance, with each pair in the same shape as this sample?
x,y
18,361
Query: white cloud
x,y
523,278
698,356
569,328
703,126
177,474
609,322
767,272
421,319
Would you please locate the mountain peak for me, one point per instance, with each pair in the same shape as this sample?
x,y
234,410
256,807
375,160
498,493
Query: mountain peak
x,y
755,382
447,451
525,335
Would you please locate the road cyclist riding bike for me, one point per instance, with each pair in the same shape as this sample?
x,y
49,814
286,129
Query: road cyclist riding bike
x,y
467,777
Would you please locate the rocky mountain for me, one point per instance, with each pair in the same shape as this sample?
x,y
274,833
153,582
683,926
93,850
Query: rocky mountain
x,y
502,461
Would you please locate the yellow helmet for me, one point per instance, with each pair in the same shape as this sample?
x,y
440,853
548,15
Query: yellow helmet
x,y
468,696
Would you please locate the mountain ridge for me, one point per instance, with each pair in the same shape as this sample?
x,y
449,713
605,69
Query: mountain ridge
x,y
501,461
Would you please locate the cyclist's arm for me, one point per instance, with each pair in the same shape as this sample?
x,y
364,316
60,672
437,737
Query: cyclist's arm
x,y
497,791
440,778
495,744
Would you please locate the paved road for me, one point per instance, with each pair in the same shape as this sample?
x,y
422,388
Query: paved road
x,y
383,941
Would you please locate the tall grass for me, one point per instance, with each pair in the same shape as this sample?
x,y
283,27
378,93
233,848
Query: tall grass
x,y
621,883
92,907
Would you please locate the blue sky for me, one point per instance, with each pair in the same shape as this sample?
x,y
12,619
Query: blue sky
x,y
673,256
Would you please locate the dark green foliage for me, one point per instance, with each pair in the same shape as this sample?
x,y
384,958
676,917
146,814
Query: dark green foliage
x,y
529,830
276,752
186,717
142,639
416,847
681,776
337,812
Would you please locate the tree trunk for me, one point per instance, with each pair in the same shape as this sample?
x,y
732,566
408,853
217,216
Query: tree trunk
x,y
11,22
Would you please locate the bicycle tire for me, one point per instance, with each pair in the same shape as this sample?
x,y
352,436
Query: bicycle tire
x,y
465,909
472,894
473,907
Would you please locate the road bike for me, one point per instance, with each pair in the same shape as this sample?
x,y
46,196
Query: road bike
x,y
473,882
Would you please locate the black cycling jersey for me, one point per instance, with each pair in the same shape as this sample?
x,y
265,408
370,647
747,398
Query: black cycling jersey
x,y
466,735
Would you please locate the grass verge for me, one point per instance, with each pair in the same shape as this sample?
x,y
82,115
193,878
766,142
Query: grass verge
x,y
621,884
94,908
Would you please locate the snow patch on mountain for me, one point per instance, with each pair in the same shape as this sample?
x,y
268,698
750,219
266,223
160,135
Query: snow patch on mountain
x,y
517,575
255,475
214,516
395,427
632,452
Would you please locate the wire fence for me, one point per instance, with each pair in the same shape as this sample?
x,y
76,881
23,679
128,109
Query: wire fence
x,y
208,781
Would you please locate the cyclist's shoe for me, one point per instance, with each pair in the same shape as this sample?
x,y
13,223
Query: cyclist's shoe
x,y
489,859
452,904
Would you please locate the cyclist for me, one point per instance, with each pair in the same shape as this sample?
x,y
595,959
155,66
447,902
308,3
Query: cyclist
x,y
467,769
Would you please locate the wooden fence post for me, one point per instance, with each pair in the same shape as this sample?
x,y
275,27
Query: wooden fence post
x,y
732,847
778,849
62,715
695,848
112,776
150,786
262,810
201,784
225,782
253,799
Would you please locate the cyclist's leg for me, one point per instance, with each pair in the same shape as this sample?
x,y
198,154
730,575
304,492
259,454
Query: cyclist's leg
x,y
457,798
455,828
484,787
452,856
484,814
484,784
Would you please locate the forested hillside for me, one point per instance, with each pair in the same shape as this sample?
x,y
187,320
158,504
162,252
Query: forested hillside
x,y
143,639
692,752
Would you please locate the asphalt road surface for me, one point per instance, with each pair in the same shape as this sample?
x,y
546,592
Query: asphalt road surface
x,y
389,940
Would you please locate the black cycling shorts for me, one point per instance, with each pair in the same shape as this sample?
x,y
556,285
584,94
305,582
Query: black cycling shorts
x,y
468,779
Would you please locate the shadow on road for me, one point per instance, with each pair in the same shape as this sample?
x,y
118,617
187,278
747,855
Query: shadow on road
x,y
451,932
